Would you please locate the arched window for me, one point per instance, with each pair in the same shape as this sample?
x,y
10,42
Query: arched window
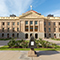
x,y
2,35
26,36
49,35
45,34
36,36
7,35
17,35
30,34
55,35
13,35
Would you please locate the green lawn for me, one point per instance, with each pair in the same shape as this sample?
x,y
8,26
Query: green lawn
x,y
55,39
27,49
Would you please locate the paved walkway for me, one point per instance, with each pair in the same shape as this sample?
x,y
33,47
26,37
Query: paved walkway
x,y
22,55
53,41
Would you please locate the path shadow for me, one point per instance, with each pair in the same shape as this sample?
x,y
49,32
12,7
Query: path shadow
x,y
58,44
47,53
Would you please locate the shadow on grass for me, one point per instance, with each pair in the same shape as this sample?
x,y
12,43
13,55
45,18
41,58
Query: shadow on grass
x,y
47,52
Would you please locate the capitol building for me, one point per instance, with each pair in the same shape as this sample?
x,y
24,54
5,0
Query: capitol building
x,y
29,23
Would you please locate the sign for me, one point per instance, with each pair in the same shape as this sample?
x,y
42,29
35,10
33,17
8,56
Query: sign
x,y
32,42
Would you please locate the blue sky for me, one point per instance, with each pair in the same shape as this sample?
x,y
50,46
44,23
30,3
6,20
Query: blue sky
x,y
18,7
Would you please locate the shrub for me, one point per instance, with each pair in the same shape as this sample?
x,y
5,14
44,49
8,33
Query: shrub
x,y
17,44
44,44
24,44
20,43
37,43
11,43
54,45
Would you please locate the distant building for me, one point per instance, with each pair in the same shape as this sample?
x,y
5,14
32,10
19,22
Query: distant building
x,y
30,23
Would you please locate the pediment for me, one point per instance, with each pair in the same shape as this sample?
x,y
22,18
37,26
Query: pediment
x,y
31,15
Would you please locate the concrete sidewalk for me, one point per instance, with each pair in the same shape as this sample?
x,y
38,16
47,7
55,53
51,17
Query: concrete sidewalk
x,y
22,55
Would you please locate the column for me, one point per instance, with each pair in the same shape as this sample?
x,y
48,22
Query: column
x,y
29,29
0,26
0,29
5,29
10,29
57,28
16,29
33,26
38,26
19,28
28,26
10,26
19,25
52,30
24,26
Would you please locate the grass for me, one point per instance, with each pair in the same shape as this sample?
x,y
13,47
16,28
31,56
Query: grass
x,y
27,49
55,39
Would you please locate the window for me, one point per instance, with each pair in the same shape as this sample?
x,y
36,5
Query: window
x,y
8,35
54,30
49,29
45,34
17,23
45,29
13,35
49,35
26,22
26,28
26,36
54,23
13,29
49,23
17,29
8,23
30,34
59,23
36,36
2,35
36,28
3,23
59,35
59,29
2,29
35,22
54,35
31,22
17,35
44,23
31,28
8,29
13,23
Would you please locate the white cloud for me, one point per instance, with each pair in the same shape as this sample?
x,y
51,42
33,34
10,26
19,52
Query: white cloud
x,y
55,13
17,7
3,9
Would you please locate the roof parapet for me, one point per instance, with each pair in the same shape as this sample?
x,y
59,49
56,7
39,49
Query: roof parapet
x,y
9,17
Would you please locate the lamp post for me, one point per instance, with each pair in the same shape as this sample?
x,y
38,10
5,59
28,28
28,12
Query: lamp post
x,y
32,45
